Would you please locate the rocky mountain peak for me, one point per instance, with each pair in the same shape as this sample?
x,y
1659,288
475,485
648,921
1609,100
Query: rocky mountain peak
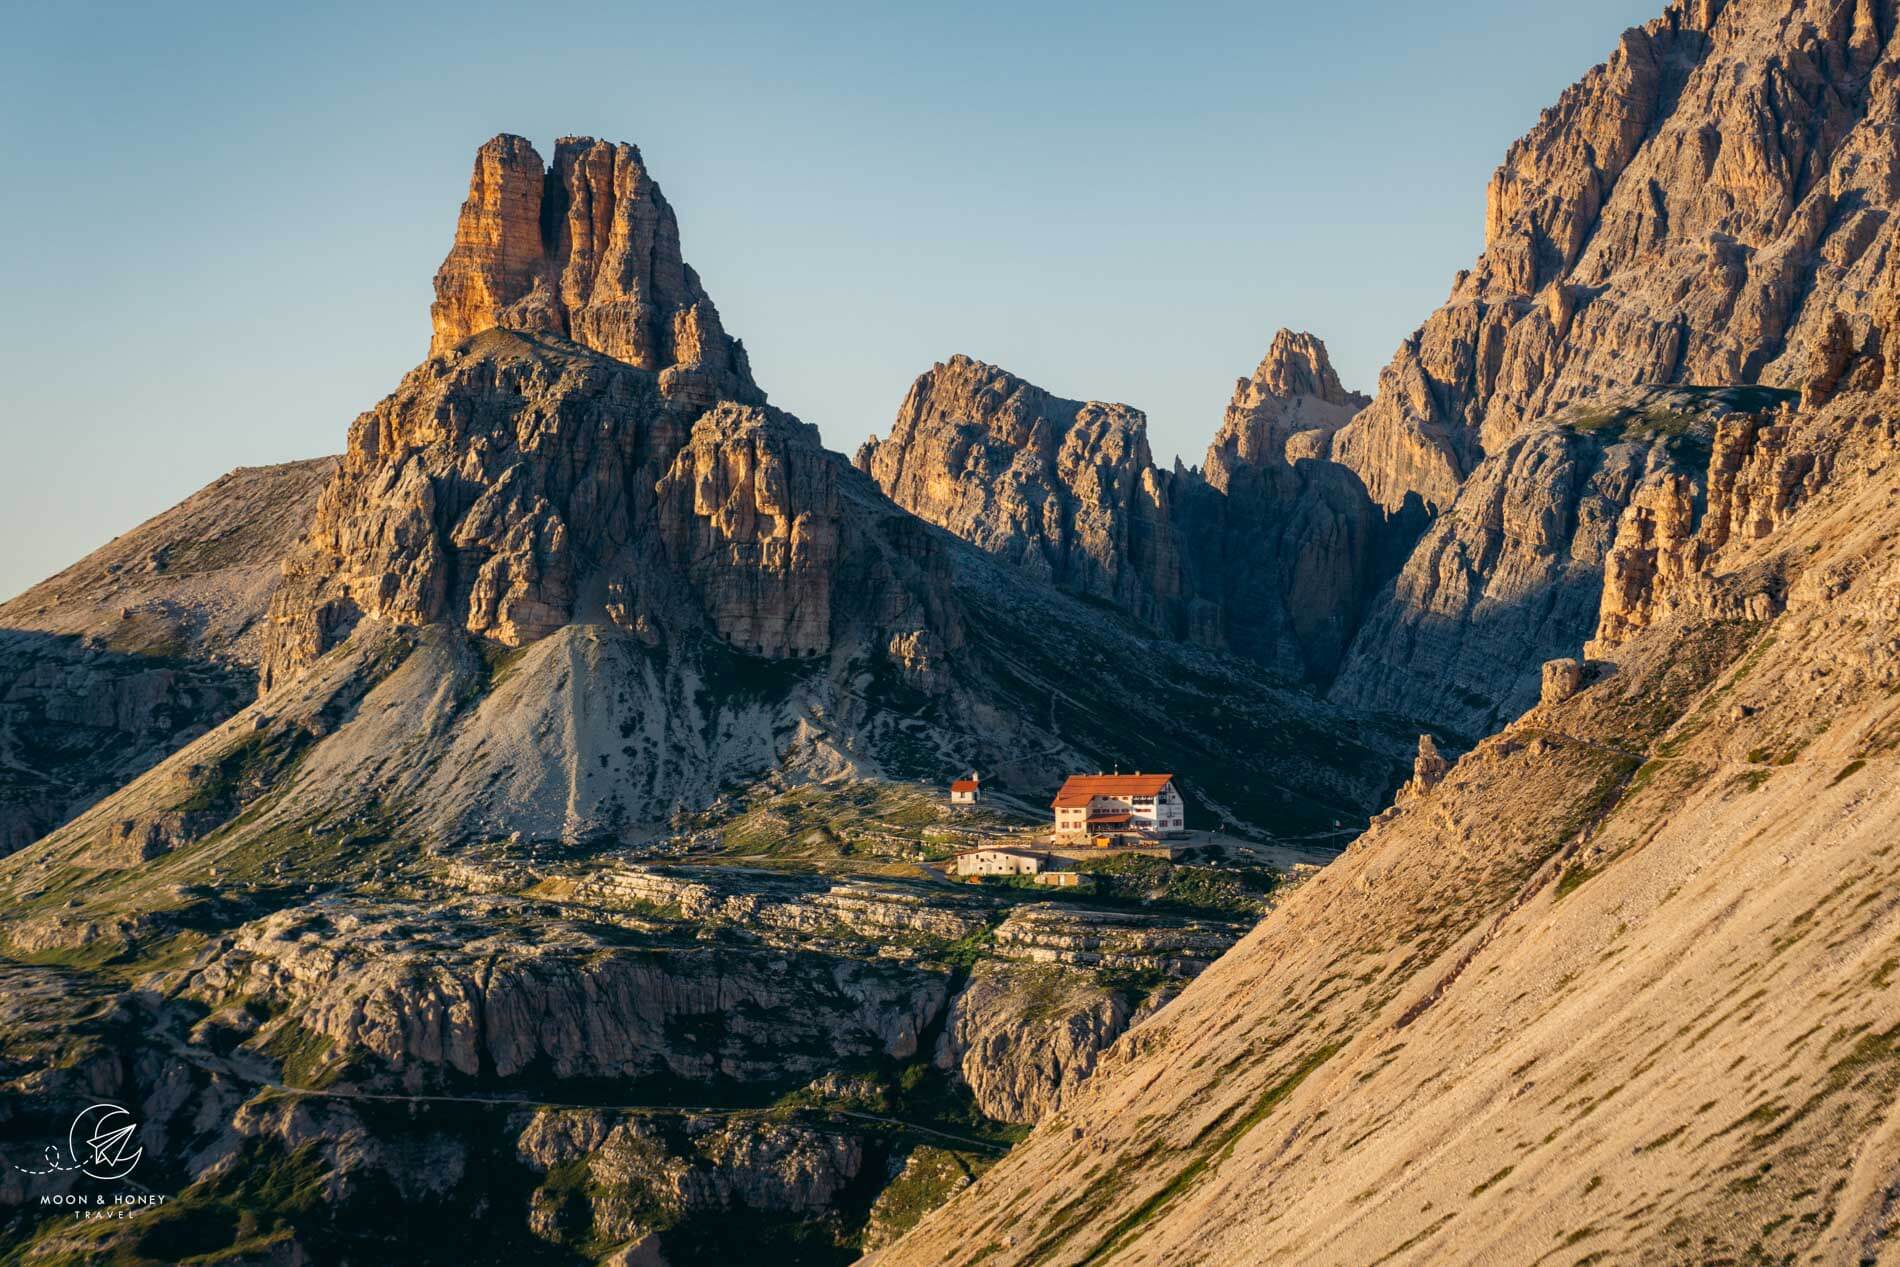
x,y
1700,208
1294,391
1296,364
1257,557
1067,489
524,484
589,249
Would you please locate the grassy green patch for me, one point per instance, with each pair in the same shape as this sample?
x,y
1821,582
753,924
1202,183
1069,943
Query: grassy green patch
x,y
1667,1137
303,1056
931,1176
1574,877
245,771
1493,1181
499,661
1848,771
1235,892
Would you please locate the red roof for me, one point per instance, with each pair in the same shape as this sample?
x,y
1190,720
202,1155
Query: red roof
x,y
1109,820
1081,788
963,785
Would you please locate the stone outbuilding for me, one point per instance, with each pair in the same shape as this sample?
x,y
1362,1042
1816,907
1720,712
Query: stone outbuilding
x,y
1003,860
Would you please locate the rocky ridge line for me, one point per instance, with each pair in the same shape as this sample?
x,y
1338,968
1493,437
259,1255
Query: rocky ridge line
x,y
1707,207
1269,554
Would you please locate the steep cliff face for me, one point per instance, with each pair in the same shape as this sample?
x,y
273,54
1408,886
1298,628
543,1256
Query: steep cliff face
x,y
1513,574
588,249
1285,546
1270,554
640,1173
1023,1037
1704,207
753,519
519,486
482,492
790,555
1620,980
360,981
1065,489
1668,542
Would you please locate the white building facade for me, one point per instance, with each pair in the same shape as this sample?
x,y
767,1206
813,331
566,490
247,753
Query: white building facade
x,y
1118,806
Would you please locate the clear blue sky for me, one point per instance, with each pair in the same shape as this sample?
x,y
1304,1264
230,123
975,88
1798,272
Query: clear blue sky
x,y
221,222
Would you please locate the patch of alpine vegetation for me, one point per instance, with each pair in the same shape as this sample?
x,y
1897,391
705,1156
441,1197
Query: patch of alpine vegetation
x,y
672,1046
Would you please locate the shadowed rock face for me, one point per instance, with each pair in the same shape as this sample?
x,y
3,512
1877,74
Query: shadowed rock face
x,y
518,485
1271,554
1513,574
1509,576
1286,544
143,645
1283,560
588,249
1065,489
1698,209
